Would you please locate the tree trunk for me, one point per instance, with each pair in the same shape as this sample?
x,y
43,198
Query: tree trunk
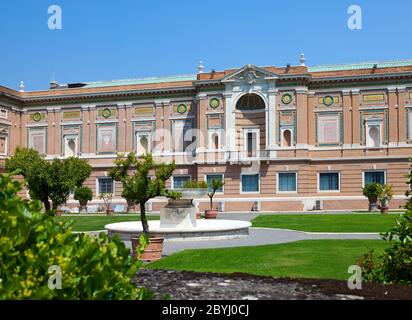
x,y
143,218
211,202
46,203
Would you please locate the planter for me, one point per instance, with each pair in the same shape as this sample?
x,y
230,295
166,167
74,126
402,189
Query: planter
x,y
59,213
109,212
210,214
130,205
373,204
152,252
83,206
192,193
384,210
198,215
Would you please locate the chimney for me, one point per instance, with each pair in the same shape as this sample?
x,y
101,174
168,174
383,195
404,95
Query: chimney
x,y
302,60
21,86
200,67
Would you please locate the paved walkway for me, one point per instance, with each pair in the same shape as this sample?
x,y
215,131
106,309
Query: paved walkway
x,y
262,236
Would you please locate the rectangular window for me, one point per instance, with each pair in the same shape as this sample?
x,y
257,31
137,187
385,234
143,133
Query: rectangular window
x,y
211,177
329,181
3,113
287,182
105,185
179,181
250,183
374,177
251,138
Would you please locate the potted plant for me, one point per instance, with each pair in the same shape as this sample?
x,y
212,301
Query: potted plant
x,y
194,189
385,197
141,188
372,192
215,185
107,200
83,195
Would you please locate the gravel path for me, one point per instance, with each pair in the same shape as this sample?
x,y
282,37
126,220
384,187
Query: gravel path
x,y
183,285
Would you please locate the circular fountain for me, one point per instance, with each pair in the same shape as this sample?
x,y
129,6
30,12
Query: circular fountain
x,y
178,222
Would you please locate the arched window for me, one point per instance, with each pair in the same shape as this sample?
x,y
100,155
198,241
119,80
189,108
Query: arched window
x,y
250,102
144,144
287,138
71,148
374,135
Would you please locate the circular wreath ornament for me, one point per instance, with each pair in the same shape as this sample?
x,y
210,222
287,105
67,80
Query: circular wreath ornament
x,y
106,113
37,117
214,103
286,98
328,101
181,108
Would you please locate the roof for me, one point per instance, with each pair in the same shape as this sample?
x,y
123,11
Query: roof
x,y
114,83
362,65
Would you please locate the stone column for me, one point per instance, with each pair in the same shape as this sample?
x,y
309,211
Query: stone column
x,y
24,121
122,127
85,130
129,110
347,118
271,123
57,131
230,123
167,146
302,116
356,127
92,128
311,119
393,116
402,115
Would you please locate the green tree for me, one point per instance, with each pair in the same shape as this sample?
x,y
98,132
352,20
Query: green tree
x,y
139,185
48,180
215,185
395,264
31,243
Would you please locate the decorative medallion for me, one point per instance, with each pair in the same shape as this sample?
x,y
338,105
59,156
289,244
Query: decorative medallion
x,y
181,108
328,101
37,117
214,103
106,113
286,98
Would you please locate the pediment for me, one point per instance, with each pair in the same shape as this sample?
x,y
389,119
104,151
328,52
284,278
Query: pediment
x,y
373,119
249,74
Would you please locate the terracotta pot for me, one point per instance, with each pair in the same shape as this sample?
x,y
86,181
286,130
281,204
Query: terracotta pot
x,y
109,212
198,215
152,252
373,206
59,213
384,210
83,202
210,214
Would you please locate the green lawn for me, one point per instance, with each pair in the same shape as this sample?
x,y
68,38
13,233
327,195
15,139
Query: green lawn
x,y
328,222
322,259
94,223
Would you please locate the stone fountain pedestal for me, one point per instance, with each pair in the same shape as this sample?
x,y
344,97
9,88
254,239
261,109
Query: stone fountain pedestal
x,y
178,214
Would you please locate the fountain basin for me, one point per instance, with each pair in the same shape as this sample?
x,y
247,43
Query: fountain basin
x,y
204,230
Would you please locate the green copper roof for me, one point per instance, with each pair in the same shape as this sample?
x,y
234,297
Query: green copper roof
x,y
356,66
140,81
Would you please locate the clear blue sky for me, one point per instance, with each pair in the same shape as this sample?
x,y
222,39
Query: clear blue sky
x,y
107,40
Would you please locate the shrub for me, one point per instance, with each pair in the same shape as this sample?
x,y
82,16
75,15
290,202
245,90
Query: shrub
x,y
193,184
372,191
31,242
395,264
83,193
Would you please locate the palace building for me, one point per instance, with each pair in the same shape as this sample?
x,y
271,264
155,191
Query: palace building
x,y
287,138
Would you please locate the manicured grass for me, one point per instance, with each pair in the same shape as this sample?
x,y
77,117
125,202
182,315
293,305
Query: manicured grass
x,y
328,222
326,259
95,223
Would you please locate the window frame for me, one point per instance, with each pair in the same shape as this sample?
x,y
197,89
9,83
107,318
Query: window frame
x,y
98,185
339,181
246,131
377,170
216,174
179,175
278,184
241,183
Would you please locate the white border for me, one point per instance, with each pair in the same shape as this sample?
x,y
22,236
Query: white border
x,y
329,191
277,182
